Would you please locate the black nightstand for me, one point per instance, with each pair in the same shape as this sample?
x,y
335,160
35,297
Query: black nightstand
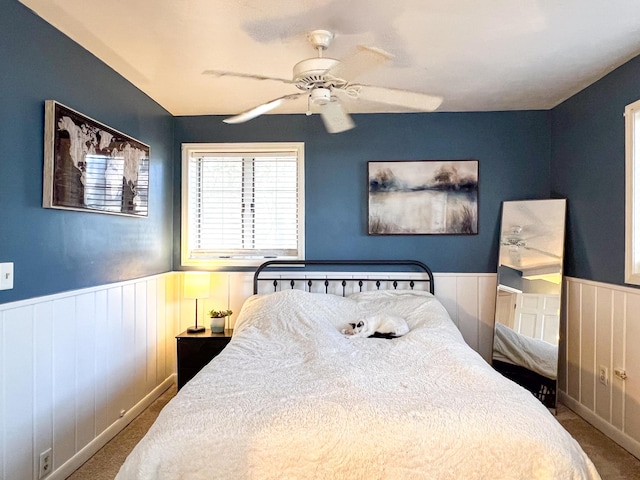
x,y
195,350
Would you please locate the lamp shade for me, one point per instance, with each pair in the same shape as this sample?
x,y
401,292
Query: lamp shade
x,y
196,285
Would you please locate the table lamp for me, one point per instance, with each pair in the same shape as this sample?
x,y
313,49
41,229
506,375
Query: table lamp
x,y
196,285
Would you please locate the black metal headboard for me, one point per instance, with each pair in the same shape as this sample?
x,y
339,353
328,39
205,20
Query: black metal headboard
x,y
370,265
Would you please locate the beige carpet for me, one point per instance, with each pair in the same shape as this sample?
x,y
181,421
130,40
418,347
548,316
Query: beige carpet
x,y
104,465
611,460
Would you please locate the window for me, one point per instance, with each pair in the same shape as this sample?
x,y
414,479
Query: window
x,y
632,207
242,203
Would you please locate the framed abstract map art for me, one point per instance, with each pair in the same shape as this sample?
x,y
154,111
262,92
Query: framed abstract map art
x,y
91,167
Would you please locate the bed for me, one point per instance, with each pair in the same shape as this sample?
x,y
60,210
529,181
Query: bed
x,y
530,362
292,397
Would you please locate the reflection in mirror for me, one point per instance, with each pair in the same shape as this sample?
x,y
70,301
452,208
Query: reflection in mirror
x,y
527,320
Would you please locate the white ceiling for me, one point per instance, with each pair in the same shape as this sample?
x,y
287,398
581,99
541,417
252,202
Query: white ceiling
x,y
538,229
479,55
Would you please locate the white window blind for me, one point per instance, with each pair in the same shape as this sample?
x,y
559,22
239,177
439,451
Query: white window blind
x,y
244,203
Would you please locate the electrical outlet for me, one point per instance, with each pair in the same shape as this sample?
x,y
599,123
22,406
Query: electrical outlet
x,y
603,375
46,458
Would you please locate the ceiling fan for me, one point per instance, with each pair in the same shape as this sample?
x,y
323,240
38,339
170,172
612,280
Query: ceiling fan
x,y
325,81
515,242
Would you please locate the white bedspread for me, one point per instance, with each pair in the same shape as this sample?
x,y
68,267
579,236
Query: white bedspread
x,y
292,398
536,355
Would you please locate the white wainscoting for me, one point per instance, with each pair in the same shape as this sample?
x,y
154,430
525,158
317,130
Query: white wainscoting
x,y
72,363
77,367
602,328
470,300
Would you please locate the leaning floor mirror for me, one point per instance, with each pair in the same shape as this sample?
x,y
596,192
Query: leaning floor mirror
x,y
529,295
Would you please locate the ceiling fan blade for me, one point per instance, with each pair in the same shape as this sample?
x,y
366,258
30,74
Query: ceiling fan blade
x,y
261,109
402,98
514,256
362,60
221,73
543,252
335,119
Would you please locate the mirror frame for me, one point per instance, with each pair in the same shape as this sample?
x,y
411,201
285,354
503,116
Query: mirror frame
x,y
514,240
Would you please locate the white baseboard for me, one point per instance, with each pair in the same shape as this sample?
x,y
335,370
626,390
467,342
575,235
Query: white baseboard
x,y
621,438
116,427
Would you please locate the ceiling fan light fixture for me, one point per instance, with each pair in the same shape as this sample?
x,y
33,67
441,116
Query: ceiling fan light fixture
x,y
320,96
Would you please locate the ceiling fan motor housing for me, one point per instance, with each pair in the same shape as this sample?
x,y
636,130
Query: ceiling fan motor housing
x,y
309,73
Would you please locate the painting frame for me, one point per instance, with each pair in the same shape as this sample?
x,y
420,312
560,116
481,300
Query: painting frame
x,y
422,197
91,167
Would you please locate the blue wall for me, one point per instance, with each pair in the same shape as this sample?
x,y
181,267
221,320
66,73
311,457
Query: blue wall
x,y
575,151
56,250
512,149
588,168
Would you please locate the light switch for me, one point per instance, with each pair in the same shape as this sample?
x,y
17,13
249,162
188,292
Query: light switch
x,y
6,276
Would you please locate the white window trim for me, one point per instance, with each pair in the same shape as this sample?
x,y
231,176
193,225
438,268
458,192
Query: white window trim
x,y
188,149
632,196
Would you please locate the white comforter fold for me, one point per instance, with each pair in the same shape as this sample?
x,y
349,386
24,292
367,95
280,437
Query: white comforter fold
x,y
531,353
291,397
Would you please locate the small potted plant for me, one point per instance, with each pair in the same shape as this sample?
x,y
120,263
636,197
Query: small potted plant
x,y
218,320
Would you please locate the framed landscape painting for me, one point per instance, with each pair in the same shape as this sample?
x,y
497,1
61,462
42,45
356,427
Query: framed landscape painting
x,y
423,197
91,167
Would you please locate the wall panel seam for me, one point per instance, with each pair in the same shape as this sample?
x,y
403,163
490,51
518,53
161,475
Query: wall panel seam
x,y
477,315
569,338
594,346
624,363
580,315
34,426
54,338
76,360
611,320
565,343
3,400
96,376
457,277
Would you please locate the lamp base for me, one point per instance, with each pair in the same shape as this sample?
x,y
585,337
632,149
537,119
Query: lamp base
x,y
196,329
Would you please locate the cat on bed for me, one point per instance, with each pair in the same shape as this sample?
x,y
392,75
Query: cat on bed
x,y
382,325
